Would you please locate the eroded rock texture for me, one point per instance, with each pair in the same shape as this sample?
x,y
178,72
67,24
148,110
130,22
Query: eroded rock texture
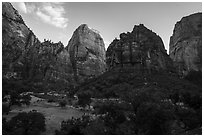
x,y
185,46
87,53
17,39
24,57
140,48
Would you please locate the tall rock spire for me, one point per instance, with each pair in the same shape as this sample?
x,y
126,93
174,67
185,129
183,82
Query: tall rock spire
x,y
87,53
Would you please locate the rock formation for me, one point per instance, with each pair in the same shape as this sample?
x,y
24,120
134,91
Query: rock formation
x,y
16,40
87,53
185,46
140,48
24,57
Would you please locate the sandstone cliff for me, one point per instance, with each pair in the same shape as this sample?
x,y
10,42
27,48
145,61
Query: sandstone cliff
x,y
16,40
185,46
87,53
24,57
140,48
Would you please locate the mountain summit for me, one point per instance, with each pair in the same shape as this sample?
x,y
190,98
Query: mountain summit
x,y
87,53
141,49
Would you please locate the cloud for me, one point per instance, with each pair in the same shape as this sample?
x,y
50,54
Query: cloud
x,y
43,16
20,6
52,13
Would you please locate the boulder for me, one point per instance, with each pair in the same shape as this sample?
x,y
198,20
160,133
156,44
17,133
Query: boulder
x,y
185,48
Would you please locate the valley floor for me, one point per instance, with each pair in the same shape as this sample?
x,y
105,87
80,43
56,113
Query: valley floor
x,y
53,113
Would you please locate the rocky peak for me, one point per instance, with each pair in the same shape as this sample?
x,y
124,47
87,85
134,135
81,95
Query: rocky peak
x,y
9,12
16,39
140,48
87,53
185,46
24,57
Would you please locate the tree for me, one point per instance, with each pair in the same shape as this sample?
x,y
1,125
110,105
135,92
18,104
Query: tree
x,y
73,126
5,127
14,98
62,103
5,109
195,77
31,123
25,99
84,98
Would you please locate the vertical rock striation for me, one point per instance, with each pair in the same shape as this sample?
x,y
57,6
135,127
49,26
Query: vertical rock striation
x,y
24,57
185,46
87,53
140,48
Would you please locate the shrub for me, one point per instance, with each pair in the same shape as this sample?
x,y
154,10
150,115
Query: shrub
x,y
189,117
62,103
152,118
25,99
15,98
73,126
195,77
31,123
50,100
84,98
5,127
5,109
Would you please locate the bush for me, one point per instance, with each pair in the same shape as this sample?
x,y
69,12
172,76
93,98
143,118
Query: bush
x,y
16,99
119,89
195,77
114,114
62,103
153,118
73,126
50,100
25,99
192,99
189,117
5,109
5,127
31,123
84,98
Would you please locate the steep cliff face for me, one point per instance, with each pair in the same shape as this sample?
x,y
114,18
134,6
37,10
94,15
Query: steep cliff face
x,y
185,46
140,48
54,62
24,57
16,41
87,53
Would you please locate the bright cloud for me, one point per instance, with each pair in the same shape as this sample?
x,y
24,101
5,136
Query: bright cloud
x,y
52,13
43,16
20,6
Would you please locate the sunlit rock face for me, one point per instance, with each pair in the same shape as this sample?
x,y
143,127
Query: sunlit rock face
x,y
25,57
17,39
185,46
140,48
87,53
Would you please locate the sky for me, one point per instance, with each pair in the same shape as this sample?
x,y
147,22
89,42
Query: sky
x,y
57,21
